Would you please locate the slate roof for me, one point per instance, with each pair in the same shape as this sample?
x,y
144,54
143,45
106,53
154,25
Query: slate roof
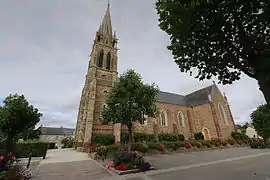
x,y
193,99
56,131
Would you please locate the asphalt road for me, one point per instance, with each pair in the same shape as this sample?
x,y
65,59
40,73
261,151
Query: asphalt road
x,y
230,164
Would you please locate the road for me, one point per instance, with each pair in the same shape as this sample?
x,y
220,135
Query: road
x,y
235,164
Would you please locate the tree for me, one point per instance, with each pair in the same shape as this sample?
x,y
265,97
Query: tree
x,y
31,133
130,100
261,121
219,38
242,128
16,115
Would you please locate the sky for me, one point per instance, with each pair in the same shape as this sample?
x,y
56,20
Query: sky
x,y
44,49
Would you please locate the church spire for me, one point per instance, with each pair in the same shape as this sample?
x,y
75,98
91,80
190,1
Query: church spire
x,y
106,26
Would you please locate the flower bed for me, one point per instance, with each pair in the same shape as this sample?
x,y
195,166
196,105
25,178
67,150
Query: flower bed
x,y
128,162
10,170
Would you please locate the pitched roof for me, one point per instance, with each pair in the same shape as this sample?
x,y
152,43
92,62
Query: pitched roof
x,y
56,131
193,99
171,98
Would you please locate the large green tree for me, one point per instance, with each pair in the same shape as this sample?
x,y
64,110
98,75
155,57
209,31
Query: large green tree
x,y
130,100
16,115
220,38
261,121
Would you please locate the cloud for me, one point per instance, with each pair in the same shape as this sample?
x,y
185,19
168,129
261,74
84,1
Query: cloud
x,y
45,47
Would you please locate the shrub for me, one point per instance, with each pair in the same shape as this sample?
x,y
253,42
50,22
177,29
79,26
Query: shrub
x,y
104,139
37,148
122,157
193,143
153,146
199,136
113,148
206,143
171,137
181,137
239,136
67,142
141,147
198,144
168,137
51,145
143,137
257,145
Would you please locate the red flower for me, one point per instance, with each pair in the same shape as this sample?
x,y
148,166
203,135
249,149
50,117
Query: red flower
x,y
13,158
9,154
121,167
188,145
261,140
2,157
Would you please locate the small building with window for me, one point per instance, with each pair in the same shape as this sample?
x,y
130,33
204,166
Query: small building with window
x,y
55,134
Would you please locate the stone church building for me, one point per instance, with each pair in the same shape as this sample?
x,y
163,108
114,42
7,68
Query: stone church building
x,y
206,110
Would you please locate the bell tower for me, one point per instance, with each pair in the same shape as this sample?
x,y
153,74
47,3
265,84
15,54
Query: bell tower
x,y
101,74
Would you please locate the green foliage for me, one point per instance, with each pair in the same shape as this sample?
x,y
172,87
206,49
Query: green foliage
x,y
104,139
143,137
171,137
257,145
67,142
113,148
51,145
219,38
16,115
37,148
242,128
206,143
31,133
174,145
126,158
199,136
261,121
141,147
130,100
239,136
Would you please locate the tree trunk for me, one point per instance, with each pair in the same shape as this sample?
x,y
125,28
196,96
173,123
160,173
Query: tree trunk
x,y
129,137
265,88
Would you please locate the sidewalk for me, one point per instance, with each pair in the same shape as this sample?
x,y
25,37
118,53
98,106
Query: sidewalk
x,y
69,164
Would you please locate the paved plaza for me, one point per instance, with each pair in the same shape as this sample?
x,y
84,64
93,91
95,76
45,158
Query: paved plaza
x,y
234,163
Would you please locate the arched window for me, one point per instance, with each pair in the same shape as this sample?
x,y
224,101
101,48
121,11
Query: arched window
x,y
222,114
108,63
163,118
100,59
181,119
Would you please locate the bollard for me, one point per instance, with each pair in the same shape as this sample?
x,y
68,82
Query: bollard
x,y
29,160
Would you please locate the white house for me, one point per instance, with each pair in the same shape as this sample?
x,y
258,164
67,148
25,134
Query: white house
x,y
54,134
251,132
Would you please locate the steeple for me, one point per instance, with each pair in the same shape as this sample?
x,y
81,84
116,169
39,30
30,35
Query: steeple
x,y
106,26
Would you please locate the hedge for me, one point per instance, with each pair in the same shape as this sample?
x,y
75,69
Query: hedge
x,y
37,148
51,145
171,137
104,139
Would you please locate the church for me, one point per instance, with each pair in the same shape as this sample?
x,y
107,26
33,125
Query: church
x,y
205,110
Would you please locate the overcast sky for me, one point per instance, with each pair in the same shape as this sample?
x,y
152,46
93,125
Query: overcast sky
x,y
44,48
